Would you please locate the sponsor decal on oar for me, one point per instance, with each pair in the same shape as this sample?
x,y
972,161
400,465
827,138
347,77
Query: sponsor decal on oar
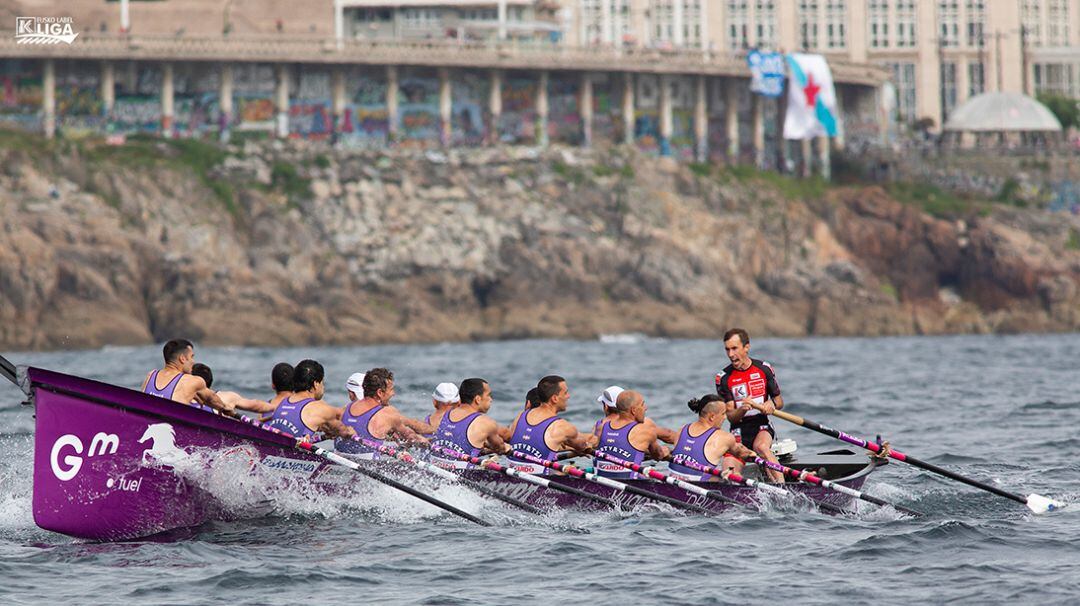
x,y
1034,502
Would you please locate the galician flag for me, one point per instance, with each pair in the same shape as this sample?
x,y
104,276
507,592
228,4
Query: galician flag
x,y
811,108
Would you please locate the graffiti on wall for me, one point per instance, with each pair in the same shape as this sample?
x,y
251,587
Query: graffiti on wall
x,y
469,93
418,109
78,98
20,94
606,115
517,124
366,123
564,121
253,98
310,107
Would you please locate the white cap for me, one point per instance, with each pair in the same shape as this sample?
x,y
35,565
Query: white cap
x,y
355,383
609,396
446,393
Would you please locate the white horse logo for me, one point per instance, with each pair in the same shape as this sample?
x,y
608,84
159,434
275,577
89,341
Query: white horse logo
x,y
164,448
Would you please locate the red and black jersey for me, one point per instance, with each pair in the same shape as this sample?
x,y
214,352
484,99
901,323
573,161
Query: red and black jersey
x,y
757,382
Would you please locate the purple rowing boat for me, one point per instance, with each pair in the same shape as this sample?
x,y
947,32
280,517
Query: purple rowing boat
x,y
112,463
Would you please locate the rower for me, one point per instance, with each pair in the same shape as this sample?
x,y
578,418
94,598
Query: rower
x,y
704,443
541,432
467,428
354,387
373,418
179,384
238,401
628,437
532,400
607,400
751,393
304,413
281,380
443,399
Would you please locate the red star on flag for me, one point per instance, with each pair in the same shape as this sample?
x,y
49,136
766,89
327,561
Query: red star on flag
x,y
811,90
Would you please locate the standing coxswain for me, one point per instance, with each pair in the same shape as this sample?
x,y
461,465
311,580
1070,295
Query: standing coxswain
x,y
175,382
467,428
751,393
541,432
704,443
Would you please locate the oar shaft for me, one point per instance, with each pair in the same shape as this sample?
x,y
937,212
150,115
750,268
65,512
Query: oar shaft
x,y
374,475
895,454
739,479
667,479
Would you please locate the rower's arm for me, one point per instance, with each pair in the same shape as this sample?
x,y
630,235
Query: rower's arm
x,y
205,395
778,402
494,441
663,434
145,381
399,424
734,413
418,426
334,428
238,401
575,440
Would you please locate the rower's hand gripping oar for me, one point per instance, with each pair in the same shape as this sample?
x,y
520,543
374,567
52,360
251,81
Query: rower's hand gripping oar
x,y
446,474
302,444
622,486
528,477
1034,502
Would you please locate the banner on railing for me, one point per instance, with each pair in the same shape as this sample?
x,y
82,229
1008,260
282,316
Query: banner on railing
x,y
766,73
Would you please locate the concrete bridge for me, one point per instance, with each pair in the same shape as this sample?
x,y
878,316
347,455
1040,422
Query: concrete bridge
x,y
674,94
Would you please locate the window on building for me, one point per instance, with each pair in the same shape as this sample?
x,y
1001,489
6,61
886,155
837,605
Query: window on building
x,y
692,16
879,23
738,18
1031,21
421,17
975,11
949,23
905,23
1057,22
976,78
808,24
903,78
836,23
948,87
765,23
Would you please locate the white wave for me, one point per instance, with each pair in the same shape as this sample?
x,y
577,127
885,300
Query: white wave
x,y
627,338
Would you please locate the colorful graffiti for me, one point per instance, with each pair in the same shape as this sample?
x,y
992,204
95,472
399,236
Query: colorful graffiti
x,y
310,107
607,121
253,98
564,119
366,122
469,92
196,108
78,98
517,124
20,94
418,109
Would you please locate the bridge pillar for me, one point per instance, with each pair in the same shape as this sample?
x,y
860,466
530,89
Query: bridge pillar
x,y
757,123
665,115
542,109
731,120
48,99
628,108
282,104
225,103
586,109
392,103
494,107
824,161
807,158
337,101
446,107
782,155
701,121
108,87
167,98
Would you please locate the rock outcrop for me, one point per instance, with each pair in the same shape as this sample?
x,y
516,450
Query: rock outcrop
x,y
278,245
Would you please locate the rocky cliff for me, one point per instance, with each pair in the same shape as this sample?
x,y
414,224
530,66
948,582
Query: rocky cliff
x,y
274,244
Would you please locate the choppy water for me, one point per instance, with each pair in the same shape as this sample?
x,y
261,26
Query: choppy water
x,y
1005,409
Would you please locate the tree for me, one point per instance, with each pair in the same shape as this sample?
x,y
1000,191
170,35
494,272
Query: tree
x,y
1065,108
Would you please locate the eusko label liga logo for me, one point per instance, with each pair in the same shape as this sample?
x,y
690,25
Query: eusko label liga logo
x,y
44,30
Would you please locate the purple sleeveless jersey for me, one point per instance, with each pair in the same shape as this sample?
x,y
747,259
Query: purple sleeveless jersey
x,y
165,392
616,442
287,418
691,448
454,435
359,423
530,439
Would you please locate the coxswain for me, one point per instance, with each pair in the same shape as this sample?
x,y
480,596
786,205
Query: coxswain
x,y
443,400
607,399
541,432
704,443
372,417
238,401
467,428
304,413
175,382
628,437
751,393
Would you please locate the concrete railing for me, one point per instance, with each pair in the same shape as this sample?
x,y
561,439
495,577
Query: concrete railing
x,y
426,53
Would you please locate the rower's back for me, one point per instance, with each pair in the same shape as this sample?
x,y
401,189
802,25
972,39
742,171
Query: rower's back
x,y
453,435
530,432
358,416
615,441
172,381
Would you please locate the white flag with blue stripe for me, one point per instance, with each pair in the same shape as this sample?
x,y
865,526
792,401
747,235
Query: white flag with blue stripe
x,y
811,108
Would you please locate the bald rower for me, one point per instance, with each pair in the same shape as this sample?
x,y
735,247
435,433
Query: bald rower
x,y
541,432
467,429
175,382
607,399
704,443
628,437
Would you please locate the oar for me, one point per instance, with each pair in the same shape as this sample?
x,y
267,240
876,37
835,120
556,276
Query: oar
x,y
528,477
610,483
8,370
302,444
669,479
1034,502
446,474
812,479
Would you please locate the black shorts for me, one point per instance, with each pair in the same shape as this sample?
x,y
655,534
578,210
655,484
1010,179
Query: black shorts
x,y
745,433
